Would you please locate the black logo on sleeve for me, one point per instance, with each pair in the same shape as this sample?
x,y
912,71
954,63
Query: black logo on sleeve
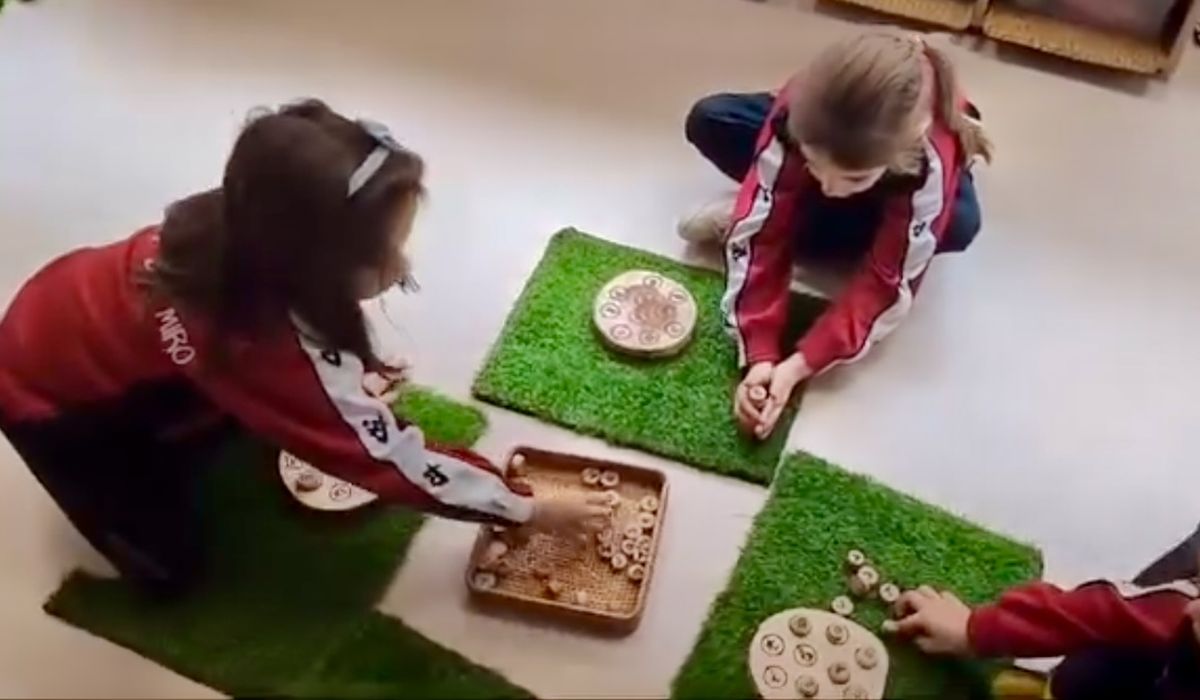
x,y
764,194
333,357
377,428
433,474
738,250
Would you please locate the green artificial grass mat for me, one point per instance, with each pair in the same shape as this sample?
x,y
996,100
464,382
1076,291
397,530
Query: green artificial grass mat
x,y
288,606
549,363
793,558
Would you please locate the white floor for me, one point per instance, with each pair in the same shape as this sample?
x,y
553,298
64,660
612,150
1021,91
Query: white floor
x,y
1044,385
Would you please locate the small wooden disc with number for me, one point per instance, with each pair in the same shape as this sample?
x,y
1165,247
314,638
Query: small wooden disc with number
x,y
644,313
318,490
791,657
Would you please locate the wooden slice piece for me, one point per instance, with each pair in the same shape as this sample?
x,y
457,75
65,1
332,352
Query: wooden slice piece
x,y
785,664
644,313
317,490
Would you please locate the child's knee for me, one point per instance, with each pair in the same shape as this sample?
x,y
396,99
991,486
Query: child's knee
x,y
698,126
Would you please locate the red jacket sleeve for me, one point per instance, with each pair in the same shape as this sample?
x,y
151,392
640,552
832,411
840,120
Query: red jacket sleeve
x,y
1042,620
758,250
880,295
311,401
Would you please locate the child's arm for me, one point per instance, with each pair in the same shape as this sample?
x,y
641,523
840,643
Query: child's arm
x,y
312,403
1043,620
1040,620
758,250
881,293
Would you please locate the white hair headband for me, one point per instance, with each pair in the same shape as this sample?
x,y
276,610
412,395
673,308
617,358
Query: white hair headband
x,y
375,159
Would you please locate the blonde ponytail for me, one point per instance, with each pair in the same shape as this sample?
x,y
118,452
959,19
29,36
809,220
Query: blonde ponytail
x,y
971,136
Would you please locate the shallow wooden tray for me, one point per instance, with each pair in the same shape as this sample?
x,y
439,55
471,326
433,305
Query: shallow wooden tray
x,y
614,602
954,14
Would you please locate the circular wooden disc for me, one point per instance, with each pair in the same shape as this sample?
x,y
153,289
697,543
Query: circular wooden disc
x,y
330,494
778,658
644,313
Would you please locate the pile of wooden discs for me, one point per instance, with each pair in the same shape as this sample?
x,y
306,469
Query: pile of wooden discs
x,y
864,581
625,543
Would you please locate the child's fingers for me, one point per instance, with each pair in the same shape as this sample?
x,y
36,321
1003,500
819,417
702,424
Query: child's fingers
x,y
770,417
746,405
911,602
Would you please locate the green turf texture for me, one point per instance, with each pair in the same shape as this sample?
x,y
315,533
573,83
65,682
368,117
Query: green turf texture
x,y
287,609
816,512
549,363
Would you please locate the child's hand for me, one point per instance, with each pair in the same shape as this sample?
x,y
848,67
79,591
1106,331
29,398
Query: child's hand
x,y
784,379
936,622
571,514
748,411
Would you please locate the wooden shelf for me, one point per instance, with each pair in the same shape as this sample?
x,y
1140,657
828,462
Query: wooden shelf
x,y
1077,42
954,14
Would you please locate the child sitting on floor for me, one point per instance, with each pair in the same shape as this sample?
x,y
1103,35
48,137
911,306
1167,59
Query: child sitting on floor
x,y
863,156
116,361
1121,640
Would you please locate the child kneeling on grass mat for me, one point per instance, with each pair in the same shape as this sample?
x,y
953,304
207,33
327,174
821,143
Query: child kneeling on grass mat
x,y
1120,640
864,156
116,362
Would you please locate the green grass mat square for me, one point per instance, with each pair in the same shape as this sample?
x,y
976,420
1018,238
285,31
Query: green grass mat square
x,y
816,512
287,609
549,363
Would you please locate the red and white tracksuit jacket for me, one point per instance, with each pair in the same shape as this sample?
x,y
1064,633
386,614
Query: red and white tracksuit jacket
x,y
82,334
1041,620
759,258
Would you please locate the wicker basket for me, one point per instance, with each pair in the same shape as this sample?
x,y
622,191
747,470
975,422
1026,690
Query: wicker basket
x,y
614,601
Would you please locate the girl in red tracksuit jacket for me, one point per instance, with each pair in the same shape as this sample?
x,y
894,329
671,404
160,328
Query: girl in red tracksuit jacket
x,y
863,156
243,303
1120,640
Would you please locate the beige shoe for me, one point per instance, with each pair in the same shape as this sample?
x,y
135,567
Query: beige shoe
x,y
709,223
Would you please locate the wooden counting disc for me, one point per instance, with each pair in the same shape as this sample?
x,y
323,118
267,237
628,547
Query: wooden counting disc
x,y
839,673
629,547
864,580
633,531
889,593
827,661
646,521
590,476
636,572
800,625
606,550
644,313
317,490
619,561
855,559
606,536
866,657
842,605
648,504
758,394
612,499
609,479
807,686
484,580
309,481
837,633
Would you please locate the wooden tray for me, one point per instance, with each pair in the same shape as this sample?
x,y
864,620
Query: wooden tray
x,y
615,603
1077,42
954,14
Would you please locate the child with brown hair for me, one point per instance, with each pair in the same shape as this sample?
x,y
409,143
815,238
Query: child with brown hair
x,y
117,361
863,156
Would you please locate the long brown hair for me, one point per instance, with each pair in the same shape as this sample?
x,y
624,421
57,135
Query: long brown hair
x,y
281,235
860,103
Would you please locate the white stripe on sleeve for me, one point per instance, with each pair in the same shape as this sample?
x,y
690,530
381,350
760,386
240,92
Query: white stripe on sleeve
x,y
738,245
449,480
927,204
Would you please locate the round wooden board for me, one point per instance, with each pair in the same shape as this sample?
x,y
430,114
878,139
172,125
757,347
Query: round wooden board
x,y
644,313
331,495
779,657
